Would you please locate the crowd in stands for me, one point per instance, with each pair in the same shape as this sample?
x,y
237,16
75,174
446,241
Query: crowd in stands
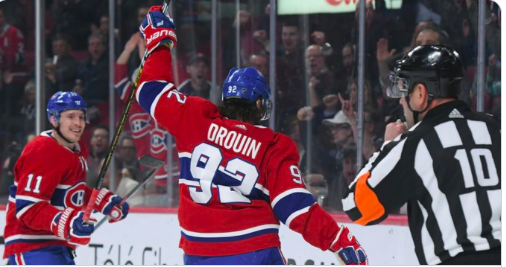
x,y
316,91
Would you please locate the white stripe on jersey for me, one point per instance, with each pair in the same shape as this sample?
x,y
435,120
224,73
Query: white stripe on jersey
x,y
11,199
231,234
23,210
189,182
120,82
448,134
157,98
288,192
32,237
63,186
480,132
427,242
31,199
424,168
295,214
386,165
474,226
494,197
185,155
263,189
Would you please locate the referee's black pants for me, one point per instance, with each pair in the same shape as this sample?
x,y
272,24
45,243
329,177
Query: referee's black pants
x,y
487,257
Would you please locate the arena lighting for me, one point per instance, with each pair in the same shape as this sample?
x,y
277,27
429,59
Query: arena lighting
x,y
290,7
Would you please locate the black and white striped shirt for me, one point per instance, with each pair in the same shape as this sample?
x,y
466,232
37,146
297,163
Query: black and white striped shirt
x,y
447,168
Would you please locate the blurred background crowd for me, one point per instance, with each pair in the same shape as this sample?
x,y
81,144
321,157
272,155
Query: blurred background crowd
x,y
315,71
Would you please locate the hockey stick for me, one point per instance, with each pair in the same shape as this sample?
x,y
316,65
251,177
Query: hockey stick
x,y
119,129
156,165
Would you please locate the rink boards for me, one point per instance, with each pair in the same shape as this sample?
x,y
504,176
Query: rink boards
x,y
150,236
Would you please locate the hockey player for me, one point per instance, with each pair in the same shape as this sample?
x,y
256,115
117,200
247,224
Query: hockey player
x,y
44,217
447,166
238,180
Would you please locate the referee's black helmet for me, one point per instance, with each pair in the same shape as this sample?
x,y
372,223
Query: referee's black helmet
x,y
438,67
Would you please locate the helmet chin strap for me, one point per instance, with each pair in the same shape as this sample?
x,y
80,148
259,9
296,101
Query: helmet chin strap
x,y
57,128
416,113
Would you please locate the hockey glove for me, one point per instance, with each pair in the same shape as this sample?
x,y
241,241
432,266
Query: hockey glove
x,y
106,203
69,225
158,29
347,248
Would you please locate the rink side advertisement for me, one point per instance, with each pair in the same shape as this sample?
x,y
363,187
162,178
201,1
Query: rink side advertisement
x,y
153,238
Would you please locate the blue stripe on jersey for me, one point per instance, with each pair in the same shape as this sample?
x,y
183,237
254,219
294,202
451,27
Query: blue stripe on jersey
x,y
20,240
21,203
12,191
229,238
148,93
121,86
58,197
292,203
220,178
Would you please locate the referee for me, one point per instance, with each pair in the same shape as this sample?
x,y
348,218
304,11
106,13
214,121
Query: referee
x,y
446,166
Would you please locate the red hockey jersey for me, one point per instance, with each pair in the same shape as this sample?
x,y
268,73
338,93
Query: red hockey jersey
x,y
47,178
12,45
237,181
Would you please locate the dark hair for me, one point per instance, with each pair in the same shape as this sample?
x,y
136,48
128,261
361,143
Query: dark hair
x,y
63,37
241,109
350,151
125,137
442,35
290,21
101,126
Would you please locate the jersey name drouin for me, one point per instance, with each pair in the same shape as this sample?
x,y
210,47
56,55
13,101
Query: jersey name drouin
x,y
238,142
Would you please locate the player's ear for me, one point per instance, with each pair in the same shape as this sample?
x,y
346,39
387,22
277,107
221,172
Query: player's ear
x,y
53,120
259,103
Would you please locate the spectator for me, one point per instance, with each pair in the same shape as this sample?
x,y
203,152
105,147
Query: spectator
x,y
62,71
99,144
341,134
349,64
7,177
134,60
260,61
339,186
26,121
290,92
12,57
127,156
321,81
107,183
94,72
197,84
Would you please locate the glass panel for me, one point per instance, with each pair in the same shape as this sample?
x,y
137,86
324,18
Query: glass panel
x,y
316,76
493,59
17,88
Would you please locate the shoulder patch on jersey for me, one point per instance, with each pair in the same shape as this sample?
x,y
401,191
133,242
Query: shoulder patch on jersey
x,y
74,196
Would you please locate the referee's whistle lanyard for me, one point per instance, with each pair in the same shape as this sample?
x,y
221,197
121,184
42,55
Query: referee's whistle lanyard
x,y
416,113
